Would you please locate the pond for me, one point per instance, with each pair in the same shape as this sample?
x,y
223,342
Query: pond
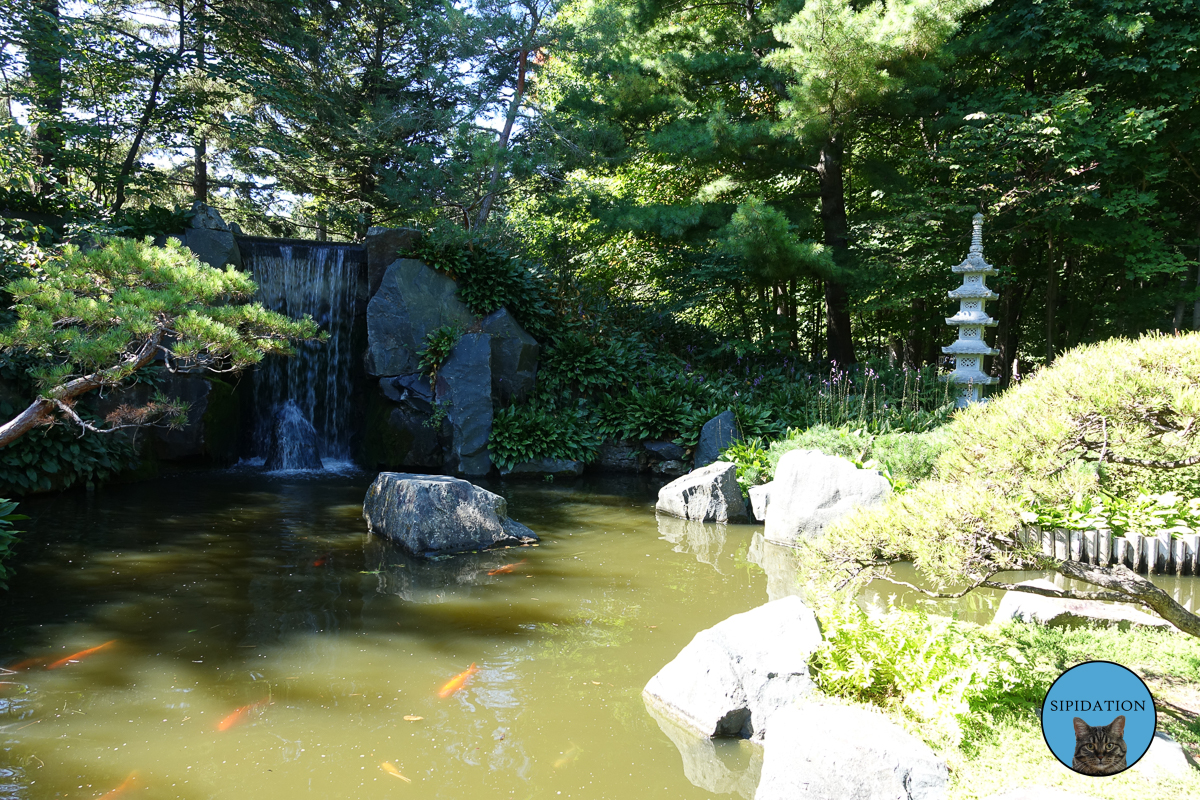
x,y
248,638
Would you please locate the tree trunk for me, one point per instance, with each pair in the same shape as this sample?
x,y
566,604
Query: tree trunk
x,y
43,49
514,107
42,409
911,352
135,146
200,176
840,345
1051,300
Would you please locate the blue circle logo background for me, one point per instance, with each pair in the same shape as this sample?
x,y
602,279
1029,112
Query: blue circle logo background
x,y
1111,690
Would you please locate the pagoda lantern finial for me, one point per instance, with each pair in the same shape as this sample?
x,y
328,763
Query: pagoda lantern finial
x,y
969,349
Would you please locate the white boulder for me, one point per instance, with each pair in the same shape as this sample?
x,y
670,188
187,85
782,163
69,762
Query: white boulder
x,y
827,752
707,494
732,678
811,490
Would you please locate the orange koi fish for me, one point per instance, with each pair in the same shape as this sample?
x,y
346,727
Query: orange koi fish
x,y
390,769
20,665
457,682
507,568
320,562
239,715
126,785
62,662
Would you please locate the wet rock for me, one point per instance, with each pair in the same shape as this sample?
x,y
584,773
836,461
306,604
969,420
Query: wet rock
x,y
781,565
558,467
384,246
514,357
664,451
707,494
812,490
293,442
412,300
413,390
464,387
1021,606
214,247
703,765
670,469
733,678
830,752
760,500
619,455
399,436
213,423
716,435
431,514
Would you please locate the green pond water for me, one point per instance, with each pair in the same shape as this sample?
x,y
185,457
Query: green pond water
x,y
255,642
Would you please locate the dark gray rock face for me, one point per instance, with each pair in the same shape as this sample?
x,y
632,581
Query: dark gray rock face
x,y
384,246
208,218
716,435
812,490
424,444
294,443
558,467
707,494
412,300
514,357
464,386
214,247
619,456
430,514
213,419
734,678
830,752
664,451
412,390
670,469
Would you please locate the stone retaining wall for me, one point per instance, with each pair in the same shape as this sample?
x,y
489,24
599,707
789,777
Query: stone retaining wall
x,y
1156,555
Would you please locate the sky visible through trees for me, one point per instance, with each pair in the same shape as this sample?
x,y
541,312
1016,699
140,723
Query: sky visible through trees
x,y
795,175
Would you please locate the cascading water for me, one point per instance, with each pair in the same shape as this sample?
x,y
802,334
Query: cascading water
x,y
322,281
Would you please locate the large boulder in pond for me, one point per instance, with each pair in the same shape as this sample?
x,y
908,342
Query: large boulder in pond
x,y
812,490
293,442
464,389
514,357
411,301
707,494
716,435
733,678
833,752
431,514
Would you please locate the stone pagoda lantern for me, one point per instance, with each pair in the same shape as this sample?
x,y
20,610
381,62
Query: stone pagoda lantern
x,y
971,319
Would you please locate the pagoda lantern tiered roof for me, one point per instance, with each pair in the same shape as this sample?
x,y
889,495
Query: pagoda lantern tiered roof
x,y
970,348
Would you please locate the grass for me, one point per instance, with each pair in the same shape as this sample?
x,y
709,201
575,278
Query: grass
x,y
973,692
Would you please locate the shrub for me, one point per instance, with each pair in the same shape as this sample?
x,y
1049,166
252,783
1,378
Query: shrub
x,y
8,536
539,430
1037,445
439,342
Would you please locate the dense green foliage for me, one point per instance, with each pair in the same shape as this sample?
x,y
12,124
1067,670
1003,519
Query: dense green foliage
x,y
8,536
959,684
1040,445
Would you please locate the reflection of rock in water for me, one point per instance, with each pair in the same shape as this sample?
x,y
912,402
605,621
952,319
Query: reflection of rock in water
x,y
780,564
720,766
704,540
433,580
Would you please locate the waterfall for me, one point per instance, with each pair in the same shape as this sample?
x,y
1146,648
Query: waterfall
x,y
321,280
